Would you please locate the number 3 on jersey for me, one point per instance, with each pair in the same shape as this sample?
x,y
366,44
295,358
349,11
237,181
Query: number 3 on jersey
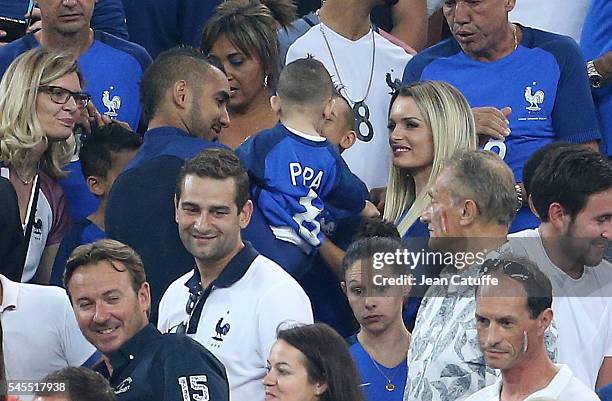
x,y
496,146
196,385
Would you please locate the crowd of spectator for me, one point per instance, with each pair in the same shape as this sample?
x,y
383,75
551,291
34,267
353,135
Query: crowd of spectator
x,y
293,200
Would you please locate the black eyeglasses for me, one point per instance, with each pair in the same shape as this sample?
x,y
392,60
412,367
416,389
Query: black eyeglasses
x,y
61,95
511,269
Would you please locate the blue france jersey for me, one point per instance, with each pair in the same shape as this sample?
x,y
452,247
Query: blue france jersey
x,y
544,82
293,176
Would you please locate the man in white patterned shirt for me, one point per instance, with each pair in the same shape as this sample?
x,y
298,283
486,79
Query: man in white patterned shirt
x,y
472,204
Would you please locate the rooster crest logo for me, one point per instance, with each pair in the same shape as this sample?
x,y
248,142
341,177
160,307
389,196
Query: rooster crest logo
x,y
221,329
112,105
534,100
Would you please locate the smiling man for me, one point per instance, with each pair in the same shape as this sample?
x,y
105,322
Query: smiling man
x,y
526,87
234,299
184,95
512,317
572,194
111,300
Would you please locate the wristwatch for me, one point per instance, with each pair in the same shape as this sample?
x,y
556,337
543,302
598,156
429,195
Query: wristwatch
x,y
520,198
595,77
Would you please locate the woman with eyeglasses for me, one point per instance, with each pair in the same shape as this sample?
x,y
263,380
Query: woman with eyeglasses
x,y
311,363
40,100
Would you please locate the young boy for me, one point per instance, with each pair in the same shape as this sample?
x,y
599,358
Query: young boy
x,y
104,155
295,171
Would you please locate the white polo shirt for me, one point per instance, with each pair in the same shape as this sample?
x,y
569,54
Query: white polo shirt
x,y
238,315
579,307
40,332
563,387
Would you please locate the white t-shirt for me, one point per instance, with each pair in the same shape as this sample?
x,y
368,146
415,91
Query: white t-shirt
x,y
579,307
563,387
369,158
239,323
559,16
40,332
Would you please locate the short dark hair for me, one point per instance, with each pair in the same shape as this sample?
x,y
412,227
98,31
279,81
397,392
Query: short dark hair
x,y
110,251
305,82
536,158
365,248
82,384
377,227
482,176
569,175
327,359
95,154
535,283
170,66
251,28
217,163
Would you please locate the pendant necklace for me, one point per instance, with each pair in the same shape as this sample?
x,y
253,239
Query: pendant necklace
x,y
361,110
389,386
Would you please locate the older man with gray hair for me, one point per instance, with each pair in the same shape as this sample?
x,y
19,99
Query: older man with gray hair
x,y
473,202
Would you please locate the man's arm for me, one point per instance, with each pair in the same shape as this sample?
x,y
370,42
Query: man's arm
x,y
410,22
603,65
605,373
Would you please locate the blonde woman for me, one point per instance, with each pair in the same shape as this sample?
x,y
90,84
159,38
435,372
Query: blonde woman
x,y
40,98
428,122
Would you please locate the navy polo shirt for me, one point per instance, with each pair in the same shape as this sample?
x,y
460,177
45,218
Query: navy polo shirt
x,y
140,207
152,366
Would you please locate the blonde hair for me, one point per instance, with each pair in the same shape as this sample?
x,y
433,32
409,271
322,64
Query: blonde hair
x,y
20,129
449,117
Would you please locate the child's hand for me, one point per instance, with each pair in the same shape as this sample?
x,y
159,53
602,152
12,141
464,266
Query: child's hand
x,y
370,211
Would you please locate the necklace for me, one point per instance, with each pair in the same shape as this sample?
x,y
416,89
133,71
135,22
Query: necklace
x,y
331,54
389,386
25,182
361,111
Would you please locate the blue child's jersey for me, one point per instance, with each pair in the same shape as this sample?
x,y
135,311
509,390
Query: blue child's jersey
x,y
293,176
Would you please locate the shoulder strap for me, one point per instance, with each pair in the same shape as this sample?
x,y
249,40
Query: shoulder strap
x,y
30,224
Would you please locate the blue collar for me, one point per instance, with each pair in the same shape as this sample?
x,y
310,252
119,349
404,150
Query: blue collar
x,y
234,271
131,350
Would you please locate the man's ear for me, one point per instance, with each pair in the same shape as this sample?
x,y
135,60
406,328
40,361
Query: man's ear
x,y
343,286
469,212
544,320
176,206
348,140
96,185
275,104
180,93
510,5
245,214
557,216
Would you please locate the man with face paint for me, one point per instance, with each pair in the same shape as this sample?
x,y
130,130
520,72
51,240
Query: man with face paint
x,y
511,319
472,205
571,191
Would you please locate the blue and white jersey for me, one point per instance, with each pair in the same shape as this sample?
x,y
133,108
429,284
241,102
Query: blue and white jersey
x,y
544,81
293,175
